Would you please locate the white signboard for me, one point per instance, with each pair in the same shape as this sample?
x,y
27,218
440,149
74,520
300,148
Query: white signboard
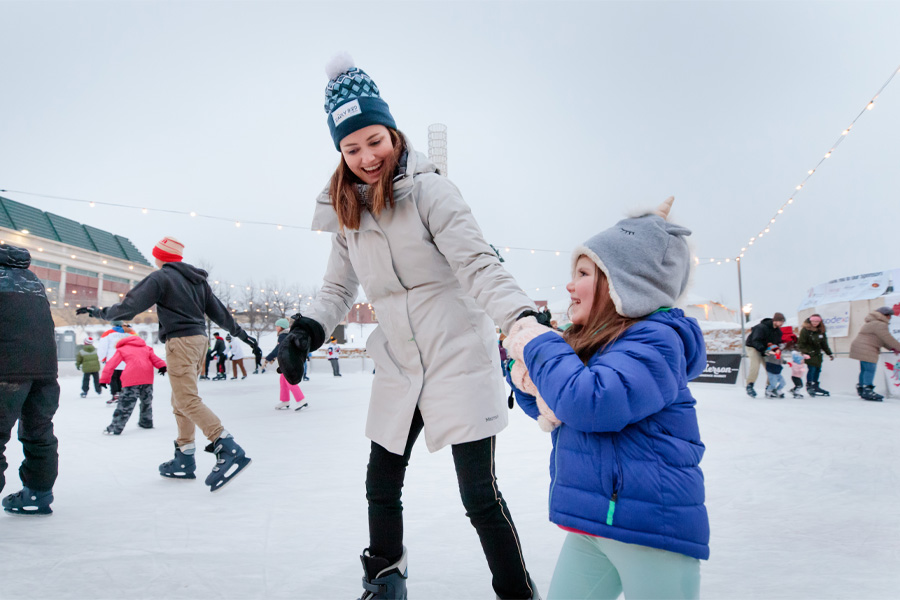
x,y
858,287
836,317
894,303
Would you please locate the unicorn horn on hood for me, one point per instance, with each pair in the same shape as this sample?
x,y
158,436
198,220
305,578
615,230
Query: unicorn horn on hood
x,y
663,209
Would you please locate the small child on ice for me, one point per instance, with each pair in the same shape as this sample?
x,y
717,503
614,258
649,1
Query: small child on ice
x,y
137,382
625,477
773,372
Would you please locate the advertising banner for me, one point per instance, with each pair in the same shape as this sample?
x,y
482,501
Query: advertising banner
x,y
720,368
836,318
858,287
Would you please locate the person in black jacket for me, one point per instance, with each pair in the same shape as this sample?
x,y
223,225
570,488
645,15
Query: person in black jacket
x,y
29,392
183,297
219,352
764,333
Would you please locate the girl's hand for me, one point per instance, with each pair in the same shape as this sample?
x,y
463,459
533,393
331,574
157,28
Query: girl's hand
x,y
525,330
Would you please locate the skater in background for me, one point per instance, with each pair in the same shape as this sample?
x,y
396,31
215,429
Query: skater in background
x,y
334,356
813,342
257,359
137,382
106,347
767,331
286,389
236,354
29,392
874,335
183,299
88,362
774,366
626,484
796,362
220,354
404,232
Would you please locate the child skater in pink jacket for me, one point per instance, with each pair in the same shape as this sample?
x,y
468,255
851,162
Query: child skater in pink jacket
x,y
137,382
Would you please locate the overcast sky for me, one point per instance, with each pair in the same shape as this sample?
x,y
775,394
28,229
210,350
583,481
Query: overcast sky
x,y
562,117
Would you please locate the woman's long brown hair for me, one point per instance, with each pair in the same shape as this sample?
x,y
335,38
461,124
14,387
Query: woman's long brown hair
x,y
344,188
604,325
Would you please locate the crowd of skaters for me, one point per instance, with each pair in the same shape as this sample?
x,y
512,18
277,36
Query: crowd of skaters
x,y
776,345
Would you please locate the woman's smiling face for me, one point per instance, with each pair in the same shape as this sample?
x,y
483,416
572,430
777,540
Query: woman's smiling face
x,y
366,151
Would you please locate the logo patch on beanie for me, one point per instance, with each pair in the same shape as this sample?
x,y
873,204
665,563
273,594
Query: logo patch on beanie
x,y
350,109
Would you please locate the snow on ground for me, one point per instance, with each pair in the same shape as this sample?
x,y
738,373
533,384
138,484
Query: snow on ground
x,y
802,496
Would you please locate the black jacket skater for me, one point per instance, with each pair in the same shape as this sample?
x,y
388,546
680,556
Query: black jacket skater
x,y
763,334
27,336
182,297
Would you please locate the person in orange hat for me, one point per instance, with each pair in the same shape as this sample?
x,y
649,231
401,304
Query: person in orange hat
x,y
184,299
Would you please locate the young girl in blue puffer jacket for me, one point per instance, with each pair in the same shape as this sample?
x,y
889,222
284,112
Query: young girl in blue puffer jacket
x,y
625,478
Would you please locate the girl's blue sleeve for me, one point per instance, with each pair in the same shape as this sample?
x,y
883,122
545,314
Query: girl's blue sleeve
x,y
526,402
627,383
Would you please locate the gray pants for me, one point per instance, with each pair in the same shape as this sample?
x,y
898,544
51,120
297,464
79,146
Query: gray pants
x,y
127,399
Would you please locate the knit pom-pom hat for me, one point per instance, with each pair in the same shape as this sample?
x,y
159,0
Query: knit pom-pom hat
x,y
646,260
168,249
352,100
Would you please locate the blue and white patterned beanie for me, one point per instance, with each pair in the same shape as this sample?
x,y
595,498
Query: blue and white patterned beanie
x,y
352,100
646,260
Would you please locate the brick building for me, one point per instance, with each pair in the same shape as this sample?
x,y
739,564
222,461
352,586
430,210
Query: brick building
x,y
80,265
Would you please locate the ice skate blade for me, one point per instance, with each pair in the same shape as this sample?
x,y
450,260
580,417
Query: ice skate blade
x,y
28,513
301,407
230,478
174,476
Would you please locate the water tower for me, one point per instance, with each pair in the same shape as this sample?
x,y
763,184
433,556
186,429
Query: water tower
x,y
437,146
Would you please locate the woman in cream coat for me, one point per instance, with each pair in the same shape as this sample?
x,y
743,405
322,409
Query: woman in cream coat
x,y
403,233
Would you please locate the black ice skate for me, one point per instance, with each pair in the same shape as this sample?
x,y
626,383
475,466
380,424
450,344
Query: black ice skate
x,y
28,502
230,460
381,580
869,394
813,389
750,391
180,467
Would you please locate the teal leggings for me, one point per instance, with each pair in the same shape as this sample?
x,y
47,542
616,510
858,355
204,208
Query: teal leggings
x,y
598,568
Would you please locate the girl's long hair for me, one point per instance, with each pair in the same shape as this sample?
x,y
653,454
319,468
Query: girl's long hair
x,y
344,187
604,325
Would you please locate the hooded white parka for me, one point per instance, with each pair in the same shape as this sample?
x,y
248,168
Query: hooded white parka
x,y
436,286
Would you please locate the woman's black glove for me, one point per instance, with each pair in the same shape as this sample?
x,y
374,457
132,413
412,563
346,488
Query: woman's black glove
x,y
542,317
304,336
162,370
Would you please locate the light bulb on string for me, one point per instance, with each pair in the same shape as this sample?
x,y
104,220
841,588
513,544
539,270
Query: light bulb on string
x,y
144,210
870,105
193,214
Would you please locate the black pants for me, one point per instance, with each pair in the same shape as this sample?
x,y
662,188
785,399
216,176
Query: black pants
x,y
220,365
484,505
86,380
115,382
33,404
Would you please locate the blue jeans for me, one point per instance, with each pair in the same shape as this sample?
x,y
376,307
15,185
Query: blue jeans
x,y
867,372
776,382
597,568
812,375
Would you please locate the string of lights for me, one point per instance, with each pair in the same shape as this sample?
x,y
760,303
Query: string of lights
x,y
800,186
699,261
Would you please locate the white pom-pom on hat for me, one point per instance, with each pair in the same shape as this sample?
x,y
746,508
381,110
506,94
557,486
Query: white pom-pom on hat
x,y
339,63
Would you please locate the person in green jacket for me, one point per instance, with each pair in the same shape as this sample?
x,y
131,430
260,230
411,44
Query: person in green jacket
x,y
89,363
814,341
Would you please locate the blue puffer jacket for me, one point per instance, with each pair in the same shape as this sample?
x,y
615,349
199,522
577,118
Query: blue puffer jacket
x,y
625,462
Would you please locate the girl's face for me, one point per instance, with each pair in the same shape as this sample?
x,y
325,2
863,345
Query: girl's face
x,y
581,290
366,151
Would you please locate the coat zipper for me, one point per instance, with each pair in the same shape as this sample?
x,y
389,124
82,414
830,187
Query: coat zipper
x,y
616,487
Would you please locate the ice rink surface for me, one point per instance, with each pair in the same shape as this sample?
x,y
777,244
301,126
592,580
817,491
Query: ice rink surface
x,y
802,495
